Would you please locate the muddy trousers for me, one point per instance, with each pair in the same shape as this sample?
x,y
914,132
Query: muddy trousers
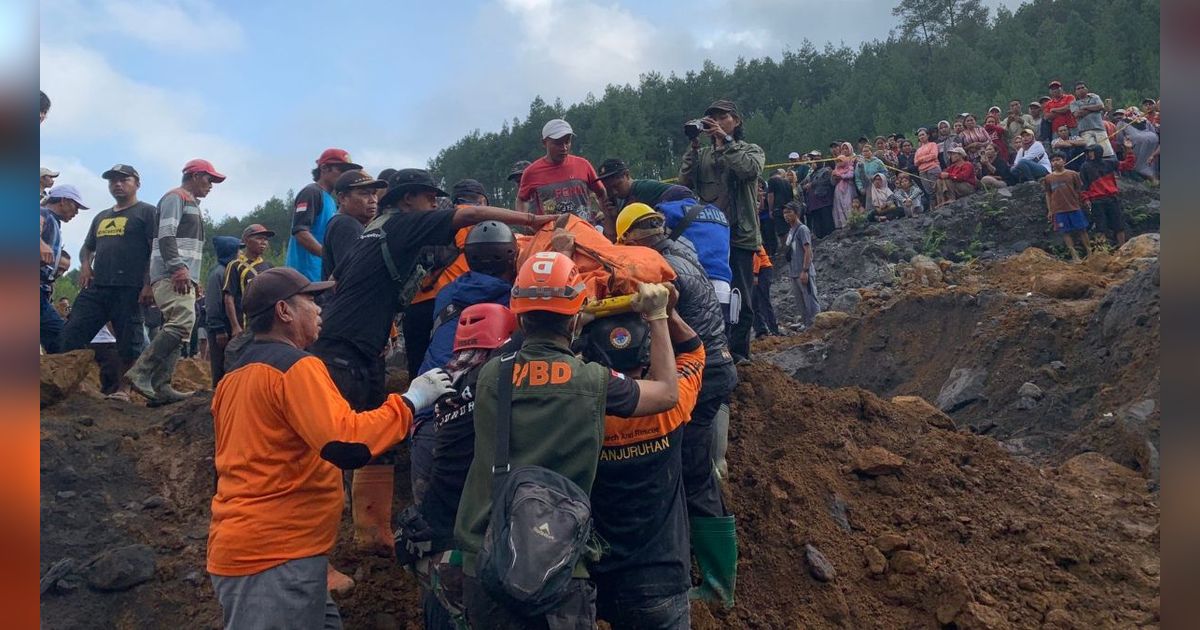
x,y
628,611
806,300
741,262
291,595
96,306
576,611
218,338
764,312
51,326
700,483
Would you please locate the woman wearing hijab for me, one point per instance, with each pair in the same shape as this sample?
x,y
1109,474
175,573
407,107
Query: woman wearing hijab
x,y
880,206
946,139
865,171
844,192
997,134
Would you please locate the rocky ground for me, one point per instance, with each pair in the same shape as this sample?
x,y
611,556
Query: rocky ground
x,y
1051,358
967,442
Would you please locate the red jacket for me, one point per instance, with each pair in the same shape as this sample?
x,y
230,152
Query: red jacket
x,y
962,171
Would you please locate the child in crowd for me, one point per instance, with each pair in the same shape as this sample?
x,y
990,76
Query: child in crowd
x,y
1064,204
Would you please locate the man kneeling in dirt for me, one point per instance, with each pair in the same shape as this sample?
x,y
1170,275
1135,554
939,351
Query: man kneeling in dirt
x,y
283,436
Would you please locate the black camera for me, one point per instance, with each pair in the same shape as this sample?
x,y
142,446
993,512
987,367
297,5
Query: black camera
x,y
693,128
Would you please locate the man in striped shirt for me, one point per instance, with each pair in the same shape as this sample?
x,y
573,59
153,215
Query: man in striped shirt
x,y
174,274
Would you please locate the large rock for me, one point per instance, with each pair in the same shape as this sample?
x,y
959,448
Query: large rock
x,y
1064,285
818,565
62,374
1141,246
877,461
121,568
830,319
976,616
963,387
922,271
847,301
1030,390
933,415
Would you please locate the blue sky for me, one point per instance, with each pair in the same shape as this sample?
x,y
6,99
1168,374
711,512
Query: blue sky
x,y
261,88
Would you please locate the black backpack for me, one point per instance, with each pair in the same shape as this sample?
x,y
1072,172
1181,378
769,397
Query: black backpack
x,y
408,281
539,527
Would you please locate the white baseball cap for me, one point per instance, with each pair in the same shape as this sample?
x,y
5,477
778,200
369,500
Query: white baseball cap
x,y
46,171
556,129
793,156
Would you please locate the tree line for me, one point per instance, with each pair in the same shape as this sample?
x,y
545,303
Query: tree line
x,y
945,56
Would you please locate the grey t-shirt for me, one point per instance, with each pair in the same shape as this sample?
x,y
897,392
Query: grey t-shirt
x,y
797,238
1093,121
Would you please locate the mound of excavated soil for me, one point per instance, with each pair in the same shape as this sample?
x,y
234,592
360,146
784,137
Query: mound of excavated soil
x,y
924,527
1053,359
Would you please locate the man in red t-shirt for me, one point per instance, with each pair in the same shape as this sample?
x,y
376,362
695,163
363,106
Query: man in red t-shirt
x,y
559,182
1058,108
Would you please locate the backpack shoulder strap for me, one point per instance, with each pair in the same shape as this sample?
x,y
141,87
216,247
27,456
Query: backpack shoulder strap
x,y
447,314
500,466
687,219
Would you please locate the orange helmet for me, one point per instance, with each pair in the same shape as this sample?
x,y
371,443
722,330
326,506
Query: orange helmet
x,y
548,281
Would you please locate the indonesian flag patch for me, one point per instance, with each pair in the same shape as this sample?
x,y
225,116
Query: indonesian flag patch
x,y
302,207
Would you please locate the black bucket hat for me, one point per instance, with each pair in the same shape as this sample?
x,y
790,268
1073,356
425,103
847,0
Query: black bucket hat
x,y
408,180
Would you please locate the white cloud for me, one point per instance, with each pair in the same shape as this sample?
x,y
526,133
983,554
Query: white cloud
x,y
170,26
154,129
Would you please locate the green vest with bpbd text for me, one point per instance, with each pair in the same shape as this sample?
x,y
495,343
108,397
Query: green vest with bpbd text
x,y
557,423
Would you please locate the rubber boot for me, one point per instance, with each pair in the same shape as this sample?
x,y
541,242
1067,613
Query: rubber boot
x,y
336,581
714,545
141,375
371,505
164,393
721,441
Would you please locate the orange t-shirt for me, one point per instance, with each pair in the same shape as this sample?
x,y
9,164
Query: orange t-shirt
x,y
761,259
690,368
450,273
283,433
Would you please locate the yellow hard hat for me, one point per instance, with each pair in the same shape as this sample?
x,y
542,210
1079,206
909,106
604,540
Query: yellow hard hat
x,y
631,214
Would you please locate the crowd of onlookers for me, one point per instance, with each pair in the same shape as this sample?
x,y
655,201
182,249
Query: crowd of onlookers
x,y
298,353
898,176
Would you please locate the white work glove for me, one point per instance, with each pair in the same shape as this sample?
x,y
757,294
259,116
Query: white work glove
x,y
427,388
651,300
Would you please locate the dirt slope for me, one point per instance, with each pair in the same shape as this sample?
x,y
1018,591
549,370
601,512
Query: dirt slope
x,y
962,529
1053,359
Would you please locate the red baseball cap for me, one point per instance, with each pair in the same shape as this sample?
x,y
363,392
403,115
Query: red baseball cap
x,y
203,166
337,156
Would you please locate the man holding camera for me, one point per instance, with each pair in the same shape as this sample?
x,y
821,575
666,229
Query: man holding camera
x,y
725,173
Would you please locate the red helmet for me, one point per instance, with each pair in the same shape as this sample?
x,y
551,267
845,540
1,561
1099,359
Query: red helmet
x,y
484,326
548,281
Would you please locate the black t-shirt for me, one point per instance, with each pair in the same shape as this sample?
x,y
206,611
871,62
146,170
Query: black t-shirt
x,y
366,298
340,235
309,204
238,274
121,240
782,190
639,503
